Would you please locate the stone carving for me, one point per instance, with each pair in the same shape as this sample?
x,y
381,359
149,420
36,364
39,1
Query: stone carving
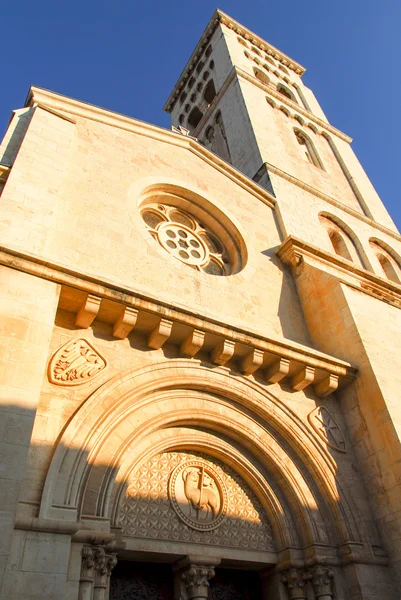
x,y
198,495
195,581
182,236
327,428
146,511
96,567
76,362
295,580
322,581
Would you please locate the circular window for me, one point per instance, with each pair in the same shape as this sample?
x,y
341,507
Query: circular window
x,y
188,240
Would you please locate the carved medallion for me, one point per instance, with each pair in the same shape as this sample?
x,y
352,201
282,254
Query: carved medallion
x,y
198,495
326,426
74,363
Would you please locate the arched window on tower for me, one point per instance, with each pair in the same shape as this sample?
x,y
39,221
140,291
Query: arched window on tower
x,y
341,241
261,76
309,151
286,92
210,92
389,263
194,117
216,140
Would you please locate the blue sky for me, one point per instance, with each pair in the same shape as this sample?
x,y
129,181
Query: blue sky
x,y
126,55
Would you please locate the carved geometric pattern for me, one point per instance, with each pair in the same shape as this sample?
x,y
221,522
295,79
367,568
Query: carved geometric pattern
x,y
74,363
146,510
327,428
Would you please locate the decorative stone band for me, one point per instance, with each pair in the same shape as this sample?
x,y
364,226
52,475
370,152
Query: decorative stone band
x,y
295,253
271,361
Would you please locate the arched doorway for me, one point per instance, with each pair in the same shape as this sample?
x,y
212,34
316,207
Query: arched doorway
x,y
193,469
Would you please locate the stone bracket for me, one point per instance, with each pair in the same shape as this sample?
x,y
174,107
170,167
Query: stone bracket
x,y
160,334
192,344
278,370
302,379
126,323
88,312
223,352
251,362
327,386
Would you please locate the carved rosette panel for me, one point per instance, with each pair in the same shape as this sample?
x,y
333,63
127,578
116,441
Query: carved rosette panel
x,y
147,511
327,428
76,362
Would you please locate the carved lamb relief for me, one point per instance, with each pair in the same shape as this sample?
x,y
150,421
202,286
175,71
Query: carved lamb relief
x,y
194,498
74,363
198,495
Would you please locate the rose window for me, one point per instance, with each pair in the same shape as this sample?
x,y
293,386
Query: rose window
x,y
185,238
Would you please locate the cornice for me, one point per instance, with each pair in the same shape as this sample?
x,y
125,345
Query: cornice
x,y
221,18
312,190
63,107
294,252
294,105
276,359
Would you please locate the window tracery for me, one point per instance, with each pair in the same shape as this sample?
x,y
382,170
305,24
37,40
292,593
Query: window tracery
x,y
186,239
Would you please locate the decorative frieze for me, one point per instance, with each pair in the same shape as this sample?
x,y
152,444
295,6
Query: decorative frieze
x,y
269,360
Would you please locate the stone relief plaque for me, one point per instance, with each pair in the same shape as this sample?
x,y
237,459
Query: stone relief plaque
x,y
198,495
327,428
74,363
163,501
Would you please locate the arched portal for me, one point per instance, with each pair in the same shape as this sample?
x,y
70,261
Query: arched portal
x,y
177,456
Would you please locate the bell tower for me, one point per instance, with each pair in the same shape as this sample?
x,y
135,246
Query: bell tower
x,y
246,101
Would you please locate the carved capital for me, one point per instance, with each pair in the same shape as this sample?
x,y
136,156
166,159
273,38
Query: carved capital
x,y
88,564
322,581
104,564
195,582
295,580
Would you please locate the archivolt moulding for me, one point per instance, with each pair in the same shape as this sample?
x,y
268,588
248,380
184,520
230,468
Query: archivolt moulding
x,y
93,425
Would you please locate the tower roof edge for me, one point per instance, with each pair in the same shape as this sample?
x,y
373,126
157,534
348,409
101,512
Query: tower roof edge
x,y
219,17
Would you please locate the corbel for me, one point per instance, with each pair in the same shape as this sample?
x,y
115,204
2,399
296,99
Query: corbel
x,y
278,370
193,343
223,352
125,323
302,379
160,334
327,386
251,362
88,312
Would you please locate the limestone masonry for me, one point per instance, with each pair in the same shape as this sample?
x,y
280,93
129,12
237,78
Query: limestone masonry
x,y
200,346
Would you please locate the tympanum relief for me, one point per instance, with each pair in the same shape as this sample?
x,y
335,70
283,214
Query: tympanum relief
x,y
183,496
198,495
76,362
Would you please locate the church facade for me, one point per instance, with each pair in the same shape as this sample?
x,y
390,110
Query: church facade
x,y
200,346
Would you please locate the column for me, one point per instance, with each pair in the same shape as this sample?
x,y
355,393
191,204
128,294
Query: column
x,y
192,577
322,581
295,581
